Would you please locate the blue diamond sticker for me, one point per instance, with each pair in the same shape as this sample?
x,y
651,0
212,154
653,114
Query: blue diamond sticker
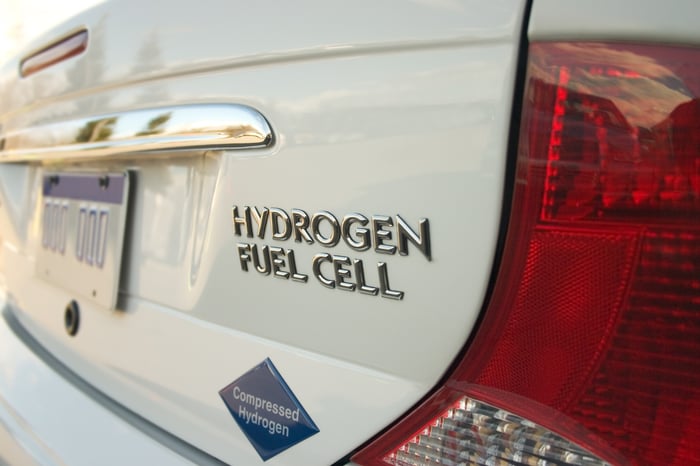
x,y
266,410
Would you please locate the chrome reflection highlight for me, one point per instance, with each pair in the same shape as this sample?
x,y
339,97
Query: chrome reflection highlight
x,y
207,126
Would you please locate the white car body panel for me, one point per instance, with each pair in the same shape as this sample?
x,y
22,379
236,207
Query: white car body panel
x,y
600,20
356,103
45,419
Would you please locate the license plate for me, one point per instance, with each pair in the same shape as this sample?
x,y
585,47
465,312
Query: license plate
x,y
82,233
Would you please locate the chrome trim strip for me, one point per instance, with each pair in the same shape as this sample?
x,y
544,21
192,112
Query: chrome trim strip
x,y
205,126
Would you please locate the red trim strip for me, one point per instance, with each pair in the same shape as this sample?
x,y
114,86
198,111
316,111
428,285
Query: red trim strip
x,y
54,53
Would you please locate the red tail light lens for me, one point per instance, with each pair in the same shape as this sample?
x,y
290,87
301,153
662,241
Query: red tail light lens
x,y
594,323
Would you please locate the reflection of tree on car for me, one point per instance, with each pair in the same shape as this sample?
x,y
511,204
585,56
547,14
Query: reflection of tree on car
x,y
96,130
617,158
680,131
605,145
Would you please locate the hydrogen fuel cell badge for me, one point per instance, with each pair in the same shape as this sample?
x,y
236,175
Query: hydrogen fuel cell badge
x,y
383,234
266,410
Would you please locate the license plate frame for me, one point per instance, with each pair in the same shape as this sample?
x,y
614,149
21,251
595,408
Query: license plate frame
x,y
81,240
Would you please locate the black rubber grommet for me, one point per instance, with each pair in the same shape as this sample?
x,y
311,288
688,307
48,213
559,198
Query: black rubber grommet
x,y
71,318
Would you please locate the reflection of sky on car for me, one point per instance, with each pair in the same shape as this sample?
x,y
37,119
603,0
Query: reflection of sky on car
x,y
22,21
179,122
632,95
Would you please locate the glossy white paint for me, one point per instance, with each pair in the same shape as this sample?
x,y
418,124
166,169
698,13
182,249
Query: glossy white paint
x,y
17,183
133,41
46,420
371,115
621,20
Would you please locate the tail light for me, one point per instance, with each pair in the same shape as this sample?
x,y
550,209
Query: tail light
x,y
589,350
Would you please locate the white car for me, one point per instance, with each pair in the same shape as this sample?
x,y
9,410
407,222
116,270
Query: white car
x,y
370,232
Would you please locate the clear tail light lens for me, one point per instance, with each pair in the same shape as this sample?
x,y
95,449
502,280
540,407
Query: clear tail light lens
x,y
474,432
594,321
